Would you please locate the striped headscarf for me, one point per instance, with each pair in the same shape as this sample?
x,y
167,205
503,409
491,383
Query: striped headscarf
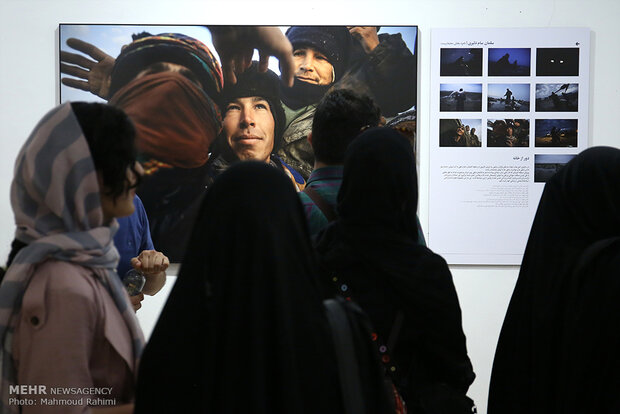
x,y
55,198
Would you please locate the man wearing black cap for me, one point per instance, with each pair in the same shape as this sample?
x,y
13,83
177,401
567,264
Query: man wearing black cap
x,y
337,57
252,124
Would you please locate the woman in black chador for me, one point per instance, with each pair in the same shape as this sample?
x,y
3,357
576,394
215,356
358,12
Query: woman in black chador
x,y
373,251
243,330
559,348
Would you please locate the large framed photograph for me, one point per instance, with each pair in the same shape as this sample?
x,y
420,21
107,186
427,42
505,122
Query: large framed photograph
x,y
169,80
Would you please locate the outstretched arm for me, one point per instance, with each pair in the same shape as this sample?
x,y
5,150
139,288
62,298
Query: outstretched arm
x,y
236,44
94,75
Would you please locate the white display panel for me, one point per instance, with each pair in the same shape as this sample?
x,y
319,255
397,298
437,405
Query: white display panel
x,y
525,91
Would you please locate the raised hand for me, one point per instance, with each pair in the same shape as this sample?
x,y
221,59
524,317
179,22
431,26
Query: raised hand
x,y
366,35
235,46
94,75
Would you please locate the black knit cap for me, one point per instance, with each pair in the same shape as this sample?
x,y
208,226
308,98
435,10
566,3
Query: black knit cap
x,y
254,83
333,41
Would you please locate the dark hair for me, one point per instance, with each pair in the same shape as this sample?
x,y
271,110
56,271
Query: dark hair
x,y
140,35
16,246
110,135
338,119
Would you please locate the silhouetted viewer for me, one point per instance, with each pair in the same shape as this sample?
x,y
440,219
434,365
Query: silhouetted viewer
x,y
244,329
558,347
371,253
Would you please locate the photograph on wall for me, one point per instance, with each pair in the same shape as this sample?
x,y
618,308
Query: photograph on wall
x,y
169,80
460,97
546,165
509,61
508,133
557,97
556,133
533,87
557,61
508,97
461,62
459,132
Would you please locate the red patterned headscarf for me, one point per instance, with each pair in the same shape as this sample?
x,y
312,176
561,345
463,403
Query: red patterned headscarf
x,y
175,120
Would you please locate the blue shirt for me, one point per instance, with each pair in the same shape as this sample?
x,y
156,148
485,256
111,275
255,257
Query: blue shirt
x,y
132,237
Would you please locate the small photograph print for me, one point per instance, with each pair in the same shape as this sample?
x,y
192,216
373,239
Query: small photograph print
x,y
509,97
461,62
508,133
546,165
460,132
460,97
556,133
557,61
557,97
509,61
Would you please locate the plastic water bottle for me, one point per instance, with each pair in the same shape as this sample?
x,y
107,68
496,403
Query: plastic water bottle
x,y
134,281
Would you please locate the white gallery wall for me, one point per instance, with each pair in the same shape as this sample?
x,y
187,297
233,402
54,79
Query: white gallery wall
x,y
29,73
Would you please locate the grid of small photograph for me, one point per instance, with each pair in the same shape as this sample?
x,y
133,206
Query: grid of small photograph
x,y
490,91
